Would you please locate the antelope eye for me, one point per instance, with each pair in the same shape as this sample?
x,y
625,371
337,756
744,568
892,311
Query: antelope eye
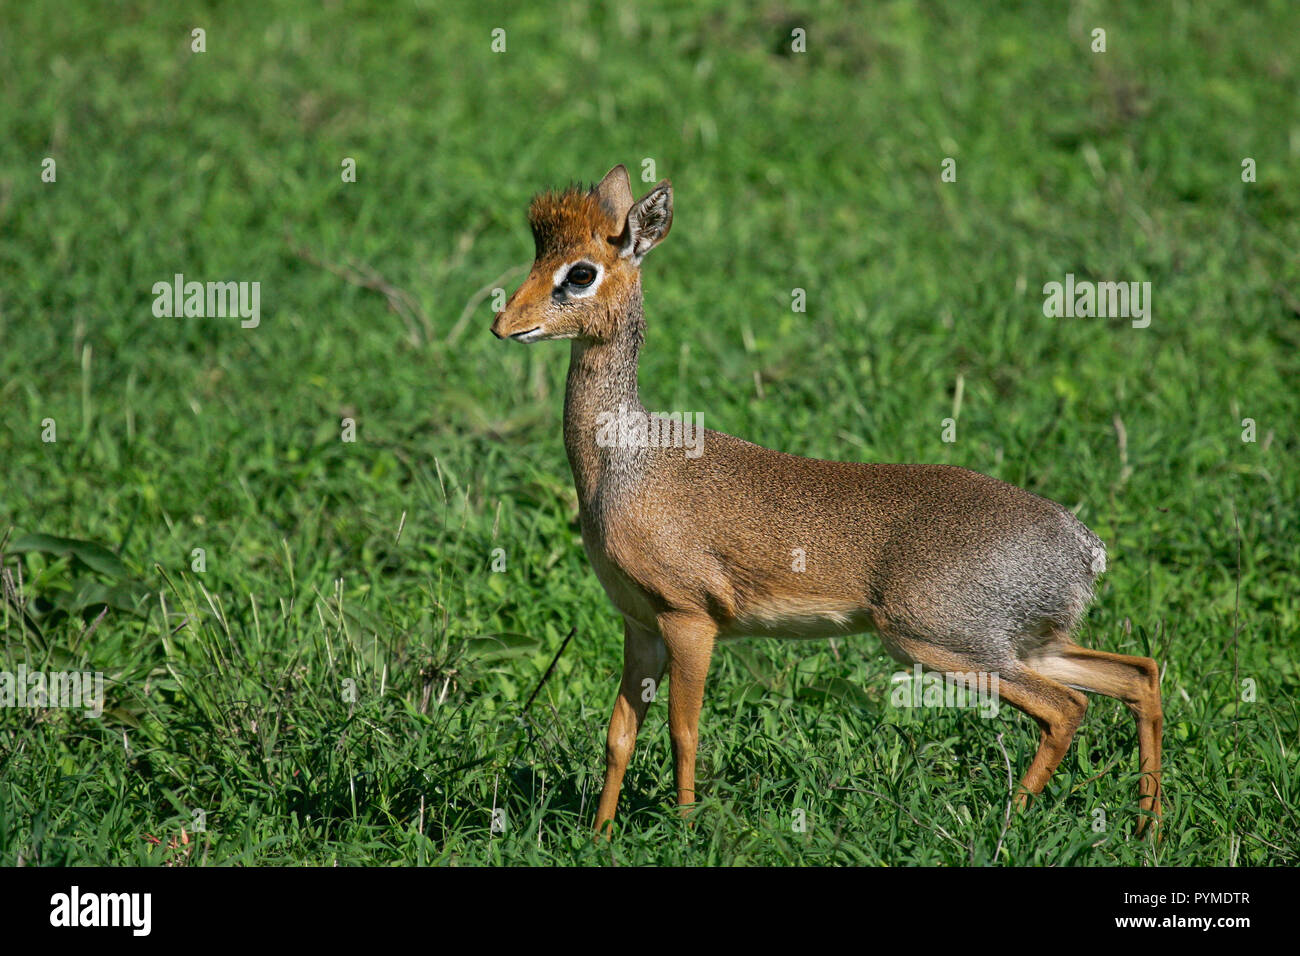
x,y
581,275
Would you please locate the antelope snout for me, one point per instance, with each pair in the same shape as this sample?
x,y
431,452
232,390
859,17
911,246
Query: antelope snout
x,y
498,326
506,324
518,324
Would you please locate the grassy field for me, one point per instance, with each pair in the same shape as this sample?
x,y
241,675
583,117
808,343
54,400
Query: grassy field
x,y
343,681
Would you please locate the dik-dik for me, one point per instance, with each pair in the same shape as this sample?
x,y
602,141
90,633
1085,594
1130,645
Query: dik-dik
x,y
953,570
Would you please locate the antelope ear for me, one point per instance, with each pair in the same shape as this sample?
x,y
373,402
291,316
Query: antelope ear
x,y
615,192
648,221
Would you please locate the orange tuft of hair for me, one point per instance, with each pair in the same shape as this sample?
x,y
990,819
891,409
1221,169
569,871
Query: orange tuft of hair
x,y
563,220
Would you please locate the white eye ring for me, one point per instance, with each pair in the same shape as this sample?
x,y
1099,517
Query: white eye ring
x,y
576,292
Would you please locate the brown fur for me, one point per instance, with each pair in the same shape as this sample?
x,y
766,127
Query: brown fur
x,y
563,221
952,569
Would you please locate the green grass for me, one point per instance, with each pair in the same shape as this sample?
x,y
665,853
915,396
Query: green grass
x,y
226,689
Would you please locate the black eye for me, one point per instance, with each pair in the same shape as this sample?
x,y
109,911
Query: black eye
x,y
581,275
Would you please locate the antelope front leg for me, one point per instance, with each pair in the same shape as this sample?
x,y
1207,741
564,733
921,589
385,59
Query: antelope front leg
x,y
689,640
644,657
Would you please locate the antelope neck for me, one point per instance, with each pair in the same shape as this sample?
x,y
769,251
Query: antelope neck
x,y
601,388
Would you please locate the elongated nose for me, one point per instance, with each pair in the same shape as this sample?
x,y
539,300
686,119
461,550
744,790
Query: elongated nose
x,y
502,321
